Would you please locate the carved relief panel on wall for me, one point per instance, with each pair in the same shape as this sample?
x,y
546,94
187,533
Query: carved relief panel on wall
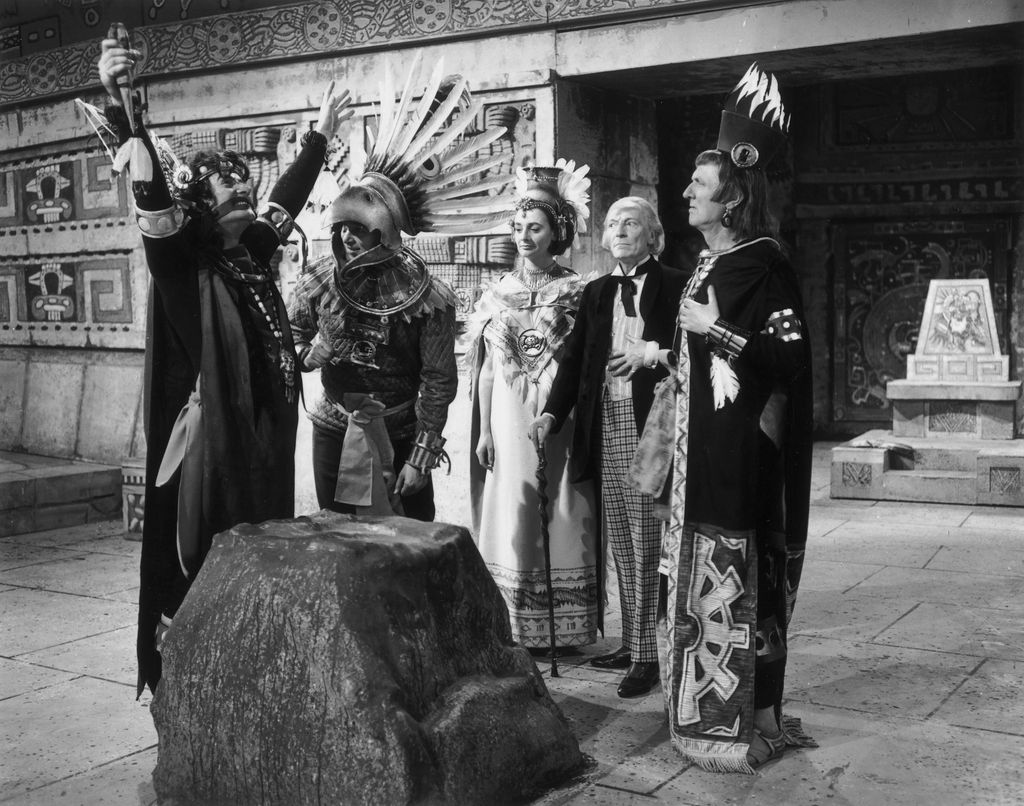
x,y
881,285
72,269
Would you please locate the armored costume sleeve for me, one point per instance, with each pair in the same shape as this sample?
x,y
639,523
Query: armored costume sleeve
x,y
439,378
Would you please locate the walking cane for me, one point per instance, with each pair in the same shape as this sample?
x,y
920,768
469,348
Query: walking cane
x,y
542,495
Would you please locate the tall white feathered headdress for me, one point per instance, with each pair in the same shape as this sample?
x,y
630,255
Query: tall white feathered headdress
x,y
563,191
428,169
754,121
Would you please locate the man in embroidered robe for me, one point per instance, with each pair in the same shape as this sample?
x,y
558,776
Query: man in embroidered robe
x,y
733,551
625,324
221,383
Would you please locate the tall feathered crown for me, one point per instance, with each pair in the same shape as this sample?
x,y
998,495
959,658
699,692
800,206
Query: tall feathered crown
x,y
754,122
422,173
561,190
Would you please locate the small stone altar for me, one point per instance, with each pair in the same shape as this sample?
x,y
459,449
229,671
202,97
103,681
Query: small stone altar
x,y
345,660
953,436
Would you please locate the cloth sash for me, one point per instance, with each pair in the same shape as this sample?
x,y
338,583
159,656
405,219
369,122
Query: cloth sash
x,y
366,470
184,452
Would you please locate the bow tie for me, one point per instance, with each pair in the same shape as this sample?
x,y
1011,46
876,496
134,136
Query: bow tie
x,y
629,287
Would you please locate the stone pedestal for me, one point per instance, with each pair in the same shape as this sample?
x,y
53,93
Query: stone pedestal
x,y
952,438
340,660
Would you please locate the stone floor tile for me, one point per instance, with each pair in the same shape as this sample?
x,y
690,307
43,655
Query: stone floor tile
x,y
115,544
883,680
847,617
977,631
20,677
126,781
109,656
593,707
15,556
648,766
825,575
988,700
945,587
918,514
129,595
822,524
999,518
96,575
36,619
591,794
868,762
859,542
981,540
78,536
68,729
998,560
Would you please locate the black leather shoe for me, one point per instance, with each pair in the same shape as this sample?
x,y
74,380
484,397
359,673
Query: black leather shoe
x,y
619,659
640,679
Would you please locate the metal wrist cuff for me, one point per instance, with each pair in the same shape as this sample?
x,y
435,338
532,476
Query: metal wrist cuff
x,y
280,219
727,338
313,138
160,223
428,452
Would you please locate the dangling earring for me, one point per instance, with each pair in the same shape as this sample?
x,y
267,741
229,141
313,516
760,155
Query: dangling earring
x,y
727,218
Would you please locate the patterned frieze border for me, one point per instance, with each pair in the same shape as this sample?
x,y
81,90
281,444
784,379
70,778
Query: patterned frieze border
x,y
301,31
91,300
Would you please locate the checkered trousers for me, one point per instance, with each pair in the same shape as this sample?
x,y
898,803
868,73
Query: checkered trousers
x,y
633,533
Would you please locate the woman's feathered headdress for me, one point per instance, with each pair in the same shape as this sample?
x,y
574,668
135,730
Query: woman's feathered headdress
x,y
563,190
424,171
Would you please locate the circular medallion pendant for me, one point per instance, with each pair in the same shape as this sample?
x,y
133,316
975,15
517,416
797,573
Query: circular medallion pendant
x,y
532,343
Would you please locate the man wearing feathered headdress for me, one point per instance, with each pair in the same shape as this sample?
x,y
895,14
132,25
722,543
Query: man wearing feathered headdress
x,y
609,369
379,328
733,549
221,380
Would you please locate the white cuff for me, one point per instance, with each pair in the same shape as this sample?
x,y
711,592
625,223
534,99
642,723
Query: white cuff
x,y
651,354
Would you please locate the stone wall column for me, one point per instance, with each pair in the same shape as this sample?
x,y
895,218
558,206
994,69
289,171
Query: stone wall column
x,y
617,136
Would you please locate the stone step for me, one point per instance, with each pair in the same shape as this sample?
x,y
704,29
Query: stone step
x,y
880,466
39,493
936,486
939,458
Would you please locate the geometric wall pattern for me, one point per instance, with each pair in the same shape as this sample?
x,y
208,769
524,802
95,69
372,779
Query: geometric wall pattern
x,y
173,38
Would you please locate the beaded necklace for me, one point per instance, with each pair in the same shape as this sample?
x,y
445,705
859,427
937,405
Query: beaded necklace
x,y
286,361
535,279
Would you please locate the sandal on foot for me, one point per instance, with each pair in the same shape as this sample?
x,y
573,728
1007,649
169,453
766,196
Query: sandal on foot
x,y
765,748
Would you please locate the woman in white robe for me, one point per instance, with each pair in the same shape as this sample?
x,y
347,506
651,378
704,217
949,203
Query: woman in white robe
x,y
517,333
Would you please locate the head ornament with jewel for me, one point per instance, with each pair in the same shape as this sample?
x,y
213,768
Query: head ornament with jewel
x,y
754,122
562,191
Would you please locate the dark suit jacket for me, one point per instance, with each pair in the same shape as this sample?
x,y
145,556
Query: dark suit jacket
x,y
580,378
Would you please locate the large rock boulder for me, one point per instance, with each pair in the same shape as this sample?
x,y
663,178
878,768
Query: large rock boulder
x,y
350,661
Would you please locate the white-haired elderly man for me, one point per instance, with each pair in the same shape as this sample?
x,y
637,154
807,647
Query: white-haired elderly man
x,y
625,324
